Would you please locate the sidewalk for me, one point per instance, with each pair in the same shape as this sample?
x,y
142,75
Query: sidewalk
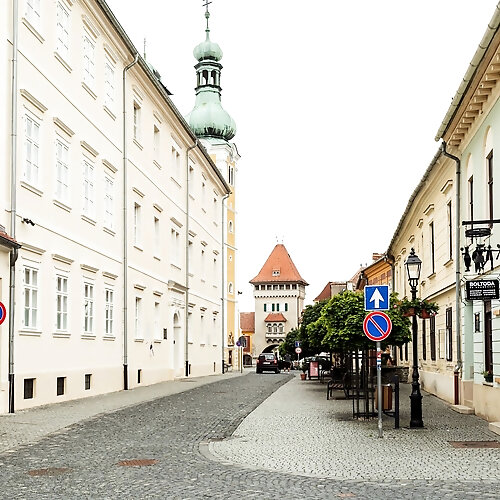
x,y
29,426
296,430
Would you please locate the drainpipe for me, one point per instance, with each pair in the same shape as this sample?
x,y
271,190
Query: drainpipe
x,y
13,203
125,232
223,287
186,308
458,366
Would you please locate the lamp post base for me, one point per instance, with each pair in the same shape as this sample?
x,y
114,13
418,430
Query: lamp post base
x,y
416,408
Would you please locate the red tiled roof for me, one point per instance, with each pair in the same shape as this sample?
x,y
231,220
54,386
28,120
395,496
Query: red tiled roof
x,y
274,317
8,240
279,267
325,293
247,321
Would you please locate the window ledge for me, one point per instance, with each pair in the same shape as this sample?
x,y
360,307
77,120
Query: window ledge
x,y
61,59
448,262
110,113
62,205
138,340
157,341
89,90
30,333
33,30
88,219
157,258
138,144
157,165
31,188
489,384
176,182
88,336
109,337
175,266
138,248
61,335
432,275
109,231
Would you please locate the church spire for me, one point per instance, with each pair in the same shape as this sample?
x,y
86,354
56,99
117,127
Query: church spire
x,y
208,119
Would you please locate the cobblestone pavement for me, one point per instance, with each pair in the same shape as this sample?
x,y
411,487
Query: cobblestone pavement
x,y
182,431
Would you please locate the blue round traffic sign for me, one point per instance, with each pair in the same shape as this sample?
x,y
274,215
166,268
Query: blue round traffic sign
x,y
377,326
3,313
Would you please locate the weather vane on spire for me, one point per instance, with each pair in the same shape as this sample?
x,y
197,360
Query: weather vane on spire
x,y
207,14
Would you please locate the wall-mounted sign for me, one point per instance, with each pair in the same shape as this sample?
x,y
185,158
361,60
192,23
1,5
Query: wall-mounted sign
x,y
481,290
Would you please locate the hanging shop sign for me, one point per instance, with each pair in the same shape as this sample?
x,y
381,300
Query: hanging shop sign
x,y
482,290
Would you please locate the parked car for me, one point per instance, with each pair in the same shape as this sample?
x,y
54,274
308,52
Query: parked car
x,y
267,362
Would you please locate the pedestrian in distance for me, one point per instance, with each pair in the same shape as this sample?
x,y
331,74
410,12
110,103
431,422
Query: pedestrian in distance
x,y
288,362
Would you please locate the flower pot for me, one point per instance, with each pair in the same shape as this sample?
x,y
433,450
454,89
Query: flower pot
x,y
409,312
425,314
303,376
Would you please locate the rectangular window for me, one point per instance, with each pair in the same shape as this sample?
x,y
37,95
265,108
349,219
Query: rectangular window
x,y
489,160
471,197
137,121
265,307
62,170
176,163
137,224
449,334
88,379
62,30
88,308
175,250
156,327
109,203
88,189
108,314
139,376
488,337
29,388
31,150
30,297
156,225
277,307
88,60
202,268
450,231
138,318
424,341
61,303
33,12
61,385
156,142
286,306
109,84
432,337
432,247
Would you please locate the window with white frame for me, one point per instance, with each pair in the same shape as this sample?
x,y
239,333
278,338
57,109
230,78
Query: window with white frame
x,y
109,84
231,175
215,210
203,332
31,150
108,202
156,326
156,142
176,163
156,225
62,30
88,308
203,194
108,311
138,318
203,265
88,188
30,297
88,60
215,271
137,224
137,121
61,303
33,12
214,330
62,168
175,247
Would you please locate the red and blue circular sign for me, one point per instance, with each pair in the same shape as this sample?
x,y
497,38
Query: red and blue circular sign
x,y
3,313
377,326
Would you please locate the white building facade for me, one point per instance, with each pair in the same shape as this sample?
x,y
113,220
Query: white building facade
x,y
118,279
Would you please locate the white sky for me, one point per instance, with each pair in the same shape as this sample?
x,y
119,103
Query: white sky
x,y
336,102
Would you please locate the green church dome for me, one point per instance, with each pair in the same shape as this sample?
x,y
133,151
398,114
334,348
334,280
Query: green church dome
x,y
207,50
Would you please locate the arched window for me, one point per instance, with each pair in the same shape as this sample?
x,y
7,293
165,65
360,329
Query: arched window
x,y
230,226
280,328
269,328
275,328
205,77
230,288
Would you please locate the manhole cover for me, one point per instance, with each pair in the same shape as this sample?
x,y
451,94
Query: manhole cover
x,y
51,471
475,444
137,463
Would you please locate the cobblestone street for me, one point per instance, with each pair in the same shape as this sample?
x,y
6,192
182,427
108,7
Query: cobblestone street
x,y
295,444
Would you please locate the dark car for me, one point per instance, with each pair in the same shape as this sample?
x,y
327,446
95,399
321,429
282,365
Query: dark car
x,y
267,362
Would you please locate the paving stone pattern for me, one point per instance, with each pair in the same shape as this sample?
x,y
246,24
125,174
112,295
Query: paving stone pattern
x,y
180,431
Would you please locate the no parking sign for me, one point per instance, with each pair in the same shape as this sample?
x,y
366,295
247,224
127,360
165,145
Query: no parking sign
x,y
377,326
3,313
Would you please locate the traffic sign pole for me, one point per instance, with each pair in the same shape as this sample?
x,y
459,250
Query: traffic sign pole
x,y
379,389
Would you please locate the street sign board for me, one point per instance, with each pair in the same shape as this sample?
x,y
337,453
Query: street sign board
x,y
377,298
242,341
3,313
482,290
298,350
377,326
297,343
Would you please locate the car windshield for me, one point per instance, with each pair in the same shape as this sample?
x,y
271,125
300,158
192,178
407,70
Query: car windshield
x,y
268,356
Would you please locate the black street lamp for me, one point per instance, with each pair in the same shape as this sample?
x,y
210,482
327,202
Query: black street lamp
x,y
413,265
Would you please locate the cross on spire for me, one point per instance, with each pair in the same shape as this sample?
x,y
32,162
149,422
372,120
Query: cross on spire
x,y
207,14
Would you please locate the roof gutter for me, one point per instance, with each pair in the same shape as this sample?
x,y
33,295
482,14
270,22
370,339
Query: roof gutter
x,y
470,73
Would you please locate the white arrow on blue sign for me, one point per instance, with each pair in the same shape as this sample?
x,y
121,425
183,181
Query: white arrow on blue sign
x,y
377,298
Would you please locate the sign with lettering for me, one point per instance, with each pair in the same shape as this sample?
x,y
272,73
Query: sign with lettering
x,y
482,290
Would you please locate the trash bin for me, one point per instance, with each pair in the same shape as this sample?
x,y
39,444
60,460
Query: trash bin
x,y
386,397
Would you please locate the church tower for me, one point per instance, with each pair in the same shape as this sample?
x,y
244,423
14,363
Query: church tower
x,y
279,293
215,128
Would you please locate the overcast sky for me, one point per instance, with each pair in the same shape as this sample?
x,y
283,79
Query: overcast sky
x,y
336,102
